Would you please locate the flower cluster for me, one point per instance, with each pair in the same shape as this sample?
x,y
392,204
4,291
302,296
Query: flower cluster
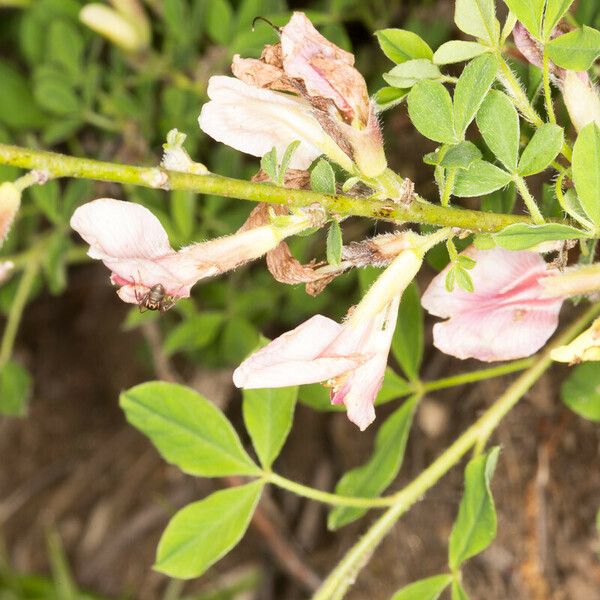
x,y
306,89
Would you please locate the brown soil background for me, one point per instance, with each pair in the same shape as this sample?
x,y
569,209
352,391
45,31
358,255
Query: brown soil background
x,y
74,463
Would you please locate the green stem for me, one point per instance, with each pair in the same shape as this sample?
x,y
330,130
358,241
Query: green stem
x,y
326,497
448,187
519,96
340,579
523,104
529,200
418,211
18,305
479,375
547,88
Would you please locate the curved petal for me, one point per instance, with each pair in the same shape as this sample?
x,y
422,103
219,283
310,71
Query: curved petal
x,y
507,333
294,372
291,358
326,70
498,275
254,120
117,229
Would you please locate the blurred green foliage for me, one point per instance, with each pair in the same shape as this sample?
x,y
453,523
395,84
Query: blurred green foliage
x,y
65,87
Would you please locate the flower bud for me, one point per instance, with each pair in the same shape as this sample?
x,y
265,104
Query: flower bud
x,y
127,27
581,99
5,270
585,347
10,200
176,158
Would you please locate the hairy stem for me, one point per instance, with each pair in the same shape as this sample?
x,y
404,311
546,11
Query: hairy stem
x,y
9,336
340,579
529,200
326,497
547,88
417,211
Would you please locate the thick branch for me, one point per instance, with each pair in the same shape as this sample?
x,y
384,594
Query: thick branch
x,y
419,211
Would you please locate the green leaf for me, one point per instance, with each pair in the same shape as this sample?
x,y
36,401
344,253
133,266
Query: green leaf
x,y
47,199
54,92
183,213
285,161
426,589
65,47
461,156
500,201
268,415
521,236
480,179
458,51
322,178
17,107
400,45
463,279
219,21
393,388
498,122
586,170
268,163
458,592
372,478
334,244
194,332
581,391
407,343
478,18
187,429
555,11
576,50
407,74
431,111
389,97
54,263
541,150
15,389
475,526
471,89
530,13
203,532
238,339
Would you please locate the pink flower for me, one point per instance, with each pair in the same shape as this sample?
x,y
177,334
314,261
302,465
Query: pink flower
x,y
304,89
351,358
508,316
133,244
325,70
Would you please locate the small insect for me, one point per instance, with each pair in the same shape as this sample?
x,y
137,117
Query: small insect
x,y
155,299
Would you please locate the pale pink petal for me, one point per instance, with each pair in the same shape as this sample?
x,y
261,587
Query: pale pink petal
x,y
497,271
254,120
118,229
295,372
133,244
294,357
326,70
358,389
508,333
506,317
527,45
